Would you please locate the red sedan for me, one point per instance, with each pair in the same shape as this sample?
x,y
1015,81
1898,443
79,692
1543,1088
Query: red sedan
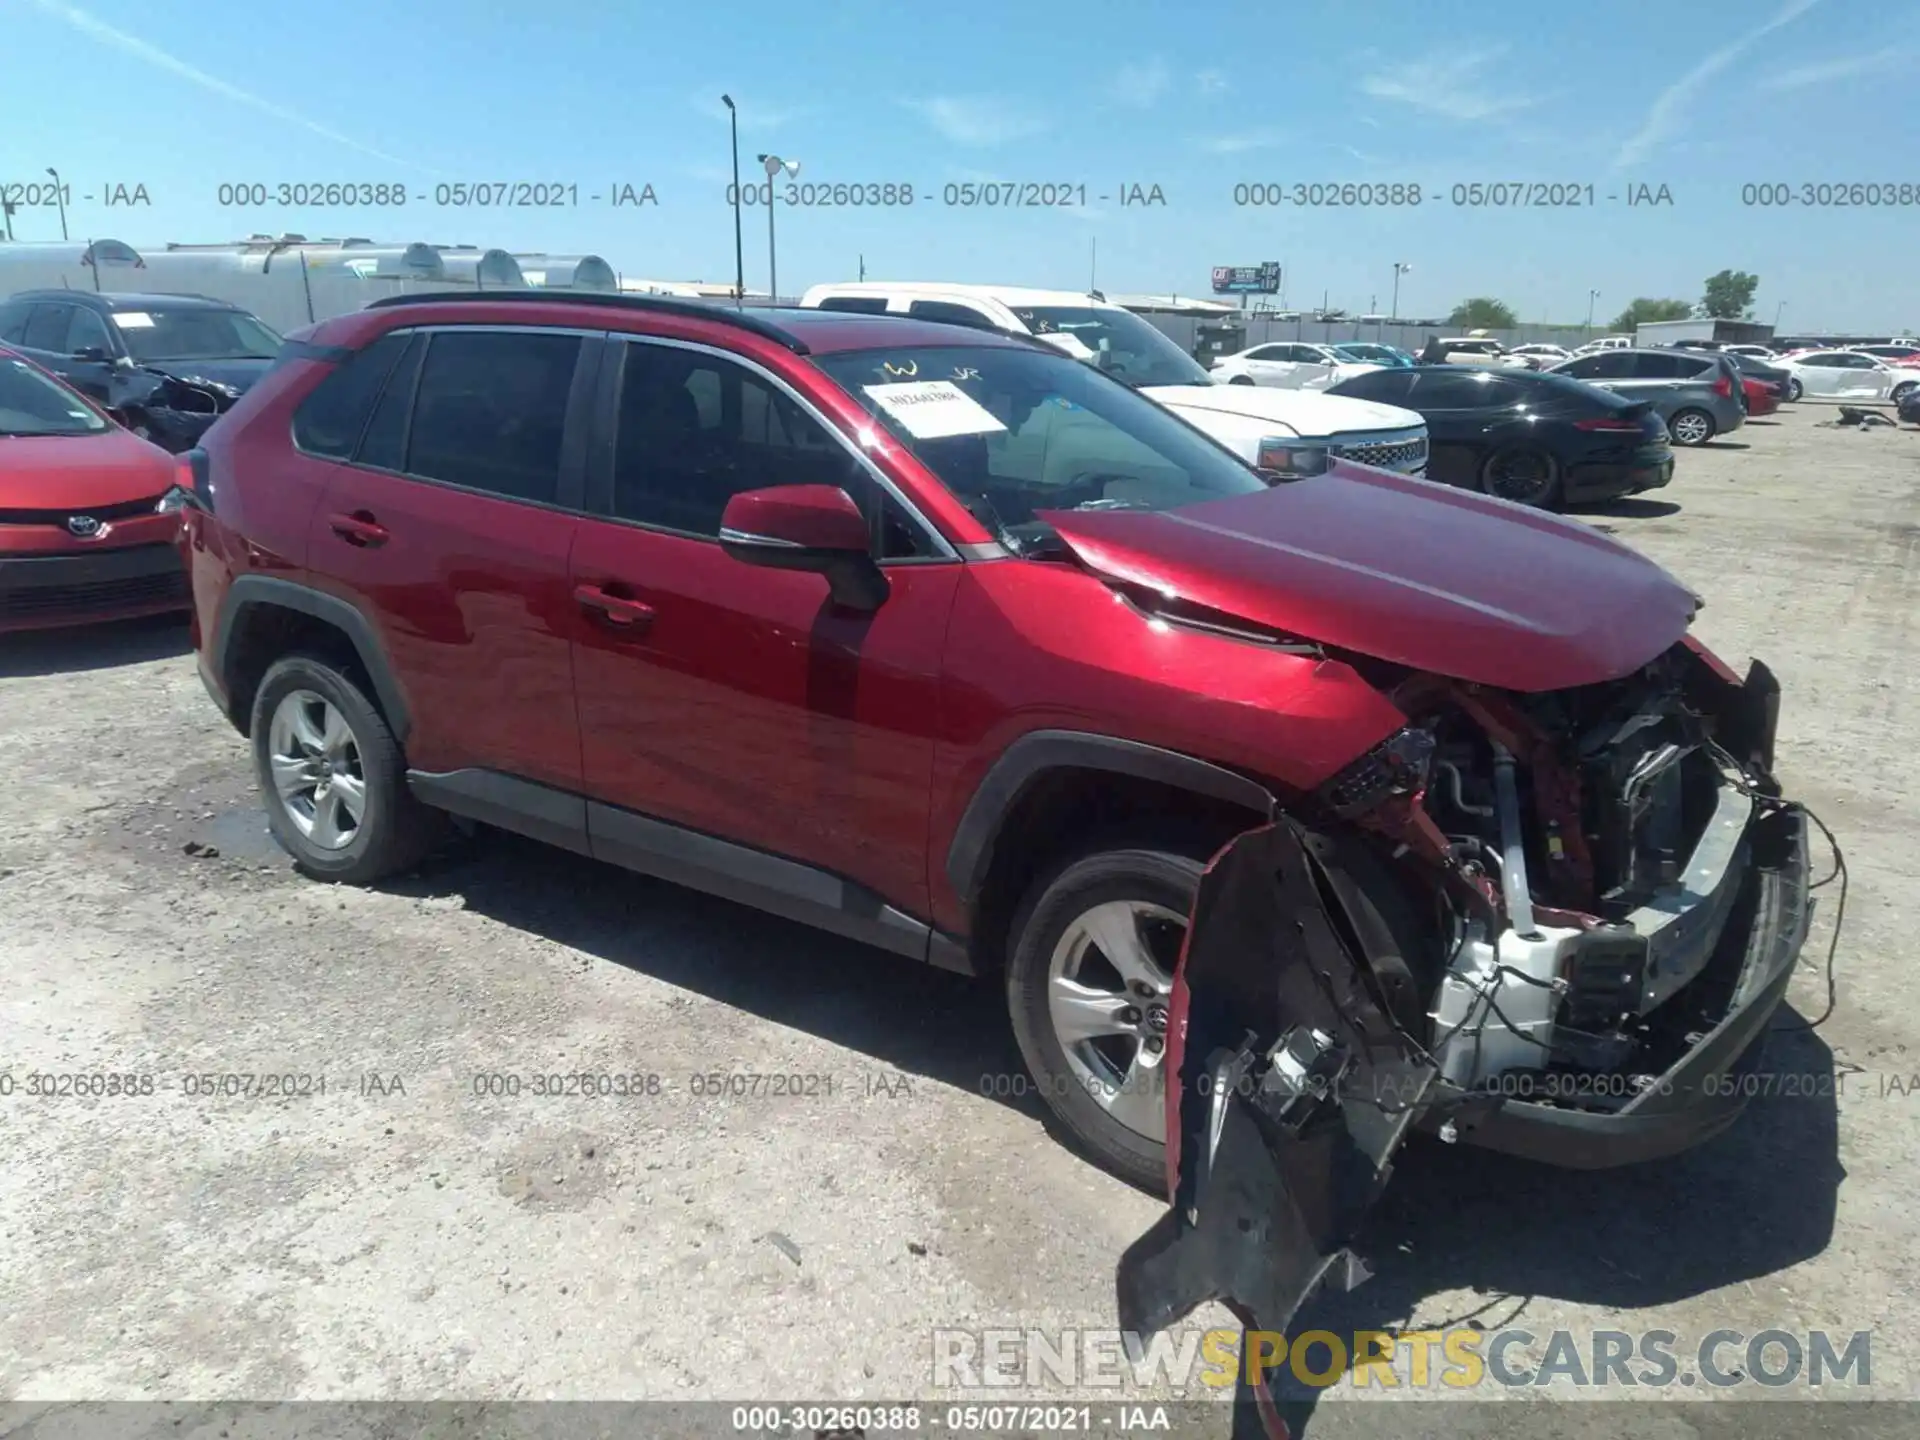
x,y
1762,397
81,537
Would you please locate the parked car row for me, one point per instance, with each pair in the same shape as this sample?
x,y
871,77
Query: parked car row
x,y
163,365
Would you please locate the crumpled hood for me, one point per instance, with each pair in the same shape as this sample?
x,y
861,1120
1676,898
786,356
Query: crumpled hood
x,y
1403,570
1286,412
240,374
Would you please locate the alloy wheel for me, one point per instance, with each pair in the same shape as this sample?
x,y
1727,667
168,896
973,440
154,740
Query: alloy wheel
x,y
1522,476
1108,986
1690,427
317,770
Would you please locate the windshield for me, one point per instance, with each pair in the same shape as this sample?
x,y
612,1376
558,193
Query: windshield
x,y
1136,352
194,334
1362,354
1014,432
32,404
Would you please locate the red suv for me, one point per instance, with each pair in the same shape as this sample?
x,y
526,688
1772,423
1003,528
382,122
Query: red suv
x,y
952,644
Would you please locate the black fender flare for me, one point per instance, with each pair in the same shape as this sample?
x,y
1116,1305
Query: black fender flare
x,y
250,591
1027,759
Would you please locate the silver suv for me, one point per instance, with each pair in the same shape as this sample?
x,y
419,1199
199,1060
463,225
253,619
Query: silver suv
x,y
1698,393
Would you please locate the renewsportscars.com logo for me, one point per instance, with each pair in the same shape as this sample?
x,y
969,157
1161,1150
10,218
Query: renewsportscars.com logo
x,y
1460,1358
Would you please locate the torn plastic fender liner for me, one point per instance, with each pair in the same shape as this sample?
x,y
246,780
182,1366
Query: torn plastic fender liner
x,y
1295,1090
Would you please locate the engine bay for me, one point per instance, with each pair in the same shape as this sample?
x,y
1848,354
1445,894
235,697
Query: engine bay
x,y
1584,849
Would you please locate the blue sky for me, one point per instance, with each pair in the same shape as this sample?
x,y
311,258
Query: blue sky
x,y
1703,97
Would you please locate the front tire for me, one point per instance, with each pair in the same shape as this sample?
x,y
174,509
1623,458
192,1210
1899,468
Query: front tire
x,y
332,776
1902,390
1241,380
1794,388
1089,973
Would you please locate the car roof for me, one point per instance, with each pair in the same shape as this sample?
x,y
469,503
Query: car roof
x,y
805,332
121,300
1012,296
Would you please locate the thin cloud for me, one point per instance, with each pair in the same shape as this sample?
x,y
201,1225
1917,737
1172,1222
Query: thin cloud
x,y
1454,86
1825,72
97,29
1213,82
1663,116
1246,140
975,119
1142,85
754,117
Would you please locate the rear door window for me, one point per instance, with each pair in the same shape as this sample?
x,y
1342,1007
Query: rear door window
x,y
490,411
856,304
948,313
47,329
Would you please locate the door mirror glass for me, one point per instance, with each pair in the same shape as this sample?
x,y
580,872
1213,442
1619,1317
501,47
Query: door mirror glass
x,y
806,527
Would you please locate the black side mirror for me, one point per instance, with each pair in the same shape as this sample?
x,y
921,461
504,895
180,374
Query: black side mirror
x,y
90,352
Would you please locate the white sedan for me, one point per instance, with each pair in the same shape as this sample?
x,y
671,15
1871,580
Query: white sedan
x,y
1288,365
1844,375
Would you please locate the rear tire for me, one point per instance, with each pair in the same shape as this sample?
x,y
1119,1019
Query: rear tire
x,y
1523,474
1241,380
1794,388
1691,427
333,778
1059,972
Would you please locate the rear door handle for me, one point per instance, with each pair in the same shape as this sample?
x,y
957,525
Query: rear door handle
x,y
622,610
359,528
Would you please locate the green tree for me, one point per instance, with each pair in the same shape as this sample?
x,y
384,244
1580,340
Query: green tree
x,y
1644,312
1483,313
1730,295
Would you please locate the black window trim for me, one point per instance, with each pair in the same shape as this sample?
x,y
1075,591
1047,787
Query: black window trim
x,y
599,467
570,495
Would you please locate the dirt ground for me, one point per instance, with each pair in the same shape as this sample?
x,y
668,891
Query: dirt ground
x,y
408,1235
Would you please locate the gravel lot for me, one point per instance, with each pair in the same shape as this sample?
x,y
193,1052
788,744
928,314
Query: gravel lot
x,y
401,1237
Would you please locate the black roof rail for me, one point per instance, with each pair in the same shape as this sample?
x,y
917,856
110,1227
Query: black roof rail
x,y
643,304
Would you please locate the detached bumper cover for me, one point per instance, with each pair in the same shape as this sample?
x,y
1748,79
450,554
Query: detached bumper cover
x,y
1296,1088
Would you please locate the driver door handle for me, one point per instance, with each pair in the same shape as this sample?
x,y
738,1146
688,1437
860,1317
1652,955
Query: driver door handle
x,y
359,528
622,610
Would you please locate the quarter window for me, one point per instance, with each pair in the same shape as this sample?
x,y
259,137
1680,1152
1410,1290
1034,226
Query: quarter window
x,y
329,421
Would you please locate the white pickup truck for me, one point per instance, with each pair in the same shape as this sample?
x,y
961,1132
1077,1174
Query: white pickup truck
x,y
1286,433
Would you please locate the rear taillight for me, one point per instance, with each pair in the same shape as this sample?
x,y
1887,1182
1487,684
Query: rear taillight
x,y
1723,387
1609,425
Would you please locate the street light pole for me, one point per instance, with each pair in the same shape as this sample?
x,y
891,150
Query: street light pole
x,y
60,200
1400,267
1592,295
773,165
739,255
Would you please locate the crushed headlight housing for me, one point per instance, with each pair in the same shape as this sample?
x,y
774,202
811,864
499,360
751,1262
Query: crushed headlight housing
x,y
1292,459
1398,765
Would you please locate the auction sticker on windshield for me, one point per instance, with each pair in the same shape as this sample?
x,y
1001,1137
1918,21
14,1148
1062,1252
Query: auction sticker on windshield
x,y
133,320
934,409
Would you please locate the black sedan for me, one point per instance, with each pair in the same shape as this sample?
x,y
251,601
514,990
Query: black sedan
x,y
1535,439
165,366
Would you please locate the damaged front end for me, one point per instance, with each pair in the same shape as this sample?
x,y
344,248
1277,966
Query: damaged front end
x,y
1551,924
172,411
